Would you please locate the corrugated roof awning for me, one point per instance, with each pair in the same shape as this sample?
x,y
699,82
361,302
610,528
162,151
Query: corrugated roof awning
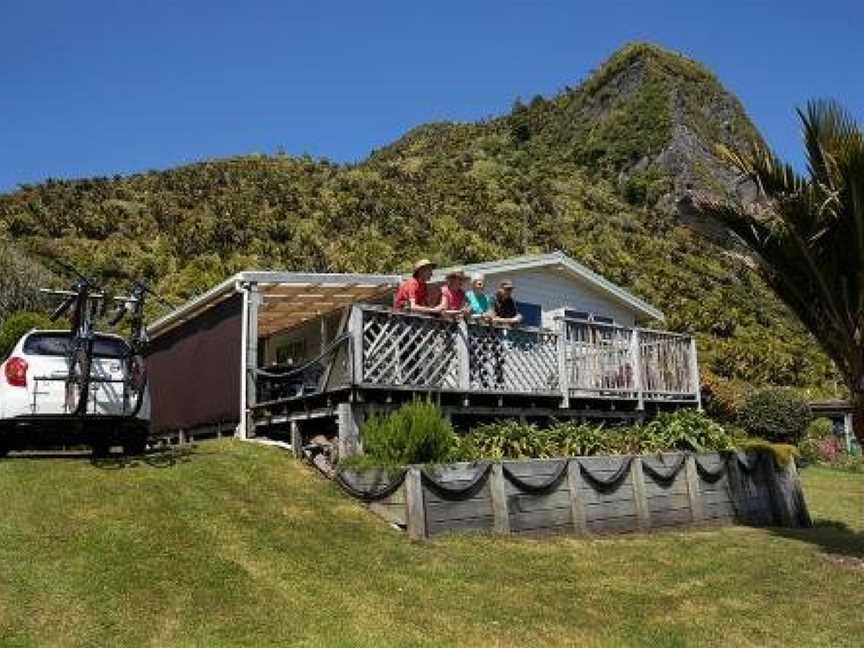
x,y
288,298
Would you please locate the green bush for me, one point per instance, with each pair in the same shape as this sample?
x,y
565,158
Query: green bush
x,y
775,414
415,433
16,325
682,430
685,430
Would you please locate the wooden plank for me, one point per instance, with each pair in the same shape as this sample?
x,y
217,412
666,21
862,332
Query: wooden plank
x,y
471,508
479,524
671,517
659,489
666,503
536,520
624,492
624,508
715,497
614,525
543,468
523,503
499,500
642,512
416,518
716,510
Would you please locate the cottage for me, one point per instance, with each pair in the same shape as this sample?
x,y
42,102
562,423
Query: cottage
x,y
265,352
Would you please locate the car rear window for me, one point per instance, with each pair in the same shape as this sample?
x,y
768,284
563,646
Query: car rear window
x,y
55,344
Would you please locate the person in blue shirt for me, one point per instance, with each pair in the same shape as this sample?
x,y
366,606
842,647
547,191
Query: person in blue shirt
x,y
479,302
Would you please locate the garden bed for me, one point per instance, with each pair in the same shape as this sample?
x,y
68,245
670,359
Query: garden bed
x,y
584,495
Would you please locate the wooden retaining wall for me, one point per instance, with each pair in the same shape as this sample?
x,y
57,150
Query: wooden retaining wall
x,y
586,495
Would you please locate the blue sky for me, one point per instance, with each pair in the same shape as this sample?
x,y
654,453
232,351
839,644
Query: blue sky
x,y
97,88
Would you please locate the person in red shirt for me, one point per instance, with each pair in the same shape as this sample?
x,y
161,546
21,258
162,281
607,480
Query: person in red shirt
x,y
453,303
413,293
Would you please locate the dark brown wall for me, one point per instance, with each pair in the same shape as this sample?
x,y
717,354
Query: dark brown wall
x,y
194,370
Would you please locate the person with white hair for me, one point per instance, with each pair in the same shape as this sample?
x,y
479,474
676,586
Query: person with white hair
x,y
480,303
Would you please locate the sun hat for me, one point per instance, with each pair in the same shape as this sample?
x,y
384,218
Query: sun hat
x,y
456,273
506,284
423,263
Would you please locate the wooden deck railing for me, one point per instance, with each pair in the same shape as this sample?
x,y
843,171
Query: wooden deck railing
x,y
582,359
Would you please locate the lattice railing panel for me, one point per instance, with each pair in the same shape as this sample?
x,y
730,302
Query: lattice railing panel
x,y
599,358
667,364
400,349
512,360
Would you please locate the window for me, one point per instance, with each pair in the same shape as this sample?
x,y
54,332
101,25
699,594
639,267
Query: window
x,y
532,314
56,344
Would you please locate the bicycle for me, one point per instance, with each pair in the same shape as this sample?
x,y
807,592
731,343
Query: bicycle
x,y
83,302
134,370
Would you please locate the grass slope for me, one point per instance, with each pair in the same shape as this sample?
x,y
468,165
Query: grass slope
x,y
236,544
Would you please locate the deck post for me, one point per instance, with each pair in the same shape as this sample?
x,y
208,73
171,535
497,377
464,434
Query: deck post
x,y
636,361
251,368
355,326
349,418
462,353
694,373
296,440
563,378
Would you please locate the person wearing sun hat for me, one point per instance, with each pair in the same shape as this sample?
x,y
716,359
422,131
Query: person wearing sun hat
x,y
413,293
453,302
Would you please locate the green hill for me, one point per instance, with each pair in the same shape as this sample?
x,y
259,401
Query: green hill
x,y
594,171
234,544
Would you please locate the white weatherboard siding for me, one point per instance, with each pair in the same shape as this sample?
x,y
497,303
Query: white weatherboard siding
x,y
554,290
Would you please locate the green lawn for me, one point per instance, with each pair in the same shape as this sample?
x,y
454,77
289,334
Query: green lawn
x,y
238,544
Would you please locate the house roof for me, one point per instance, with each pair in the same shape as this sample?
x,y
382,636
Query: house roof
x,y
290,298
287,298
562,261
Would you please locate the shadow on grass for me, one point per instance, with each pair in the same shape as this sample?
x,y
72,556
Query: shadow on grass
x,y
166,457
829,536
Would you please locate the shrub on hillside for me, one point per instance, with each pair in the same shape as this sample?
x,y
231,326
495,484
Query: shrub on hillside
x,y
775,414
16,325
819,444
415,433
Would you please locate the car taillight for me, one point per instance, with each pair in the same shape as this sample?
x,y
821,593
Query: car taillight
x,y
16,372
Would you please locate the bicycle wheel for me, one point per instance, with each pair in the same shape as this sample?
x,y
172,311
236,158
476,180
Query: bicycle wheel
x,y
135,383
78,379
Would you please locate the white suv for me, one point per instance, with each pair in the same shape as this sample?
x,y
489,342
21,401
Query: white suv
x,y
33,383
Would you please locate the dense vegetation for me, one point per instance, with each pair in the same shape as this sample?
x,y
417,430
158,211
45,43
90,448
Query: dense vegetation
x,y
593,171
418,432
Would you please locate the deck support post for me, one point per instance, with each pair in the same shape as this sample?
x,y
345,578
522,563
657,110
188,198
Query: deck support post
x,y
697,511
462,354
415,511
355,326
349,419
639,494
636,360
694,373
498,490
563,378
250,370
296,440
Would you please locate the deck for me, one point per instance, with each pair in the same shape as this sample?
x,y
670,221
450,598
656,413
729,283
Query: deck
x,y
580,367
